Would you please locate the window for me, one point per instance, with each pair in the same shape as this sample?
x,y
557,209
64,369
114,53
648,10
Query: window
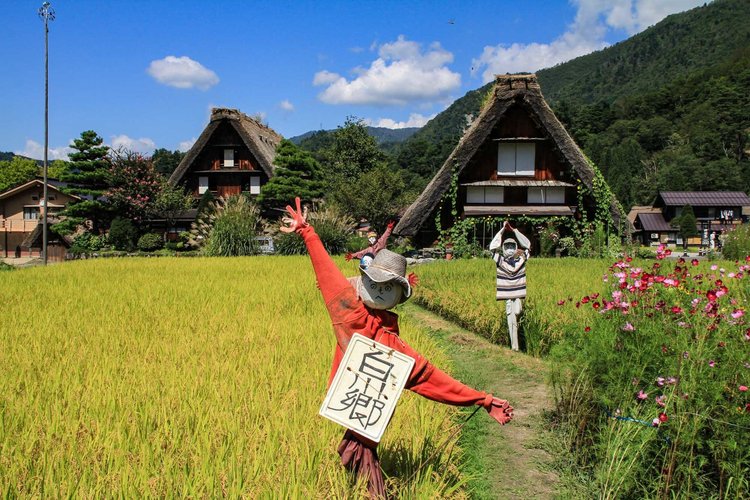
x,y
254,185
202,185
516,158
30,213
484,194
546,195
228,158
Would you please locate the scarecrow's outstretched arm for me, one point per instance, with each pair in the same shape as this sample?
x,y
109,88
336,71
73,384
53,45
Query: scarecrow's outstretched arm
x,y
330,279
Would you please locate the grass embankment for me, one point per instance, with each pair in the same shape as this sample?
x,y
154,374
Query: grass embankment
x,y
652,367
188,377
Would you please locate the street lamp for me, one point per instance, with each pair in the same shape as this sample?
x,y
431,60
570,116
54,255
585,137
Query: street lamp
x,y
46,14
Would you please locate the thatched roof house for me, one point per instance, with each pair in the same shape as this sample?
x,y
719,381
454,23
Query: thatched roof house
x,y
516,159
233,154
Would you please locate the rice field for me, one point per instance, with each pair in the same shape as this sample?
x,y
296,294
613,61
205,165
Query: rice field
x,y
188,377
464,291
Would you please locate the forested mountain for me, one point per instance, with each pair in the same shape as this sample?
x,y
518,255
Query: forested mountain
x,y
668,109
381,135
676,47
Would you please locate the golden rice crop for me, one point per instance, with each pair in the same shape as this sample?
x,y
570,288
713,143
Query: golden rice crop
x,y
186,377
464,290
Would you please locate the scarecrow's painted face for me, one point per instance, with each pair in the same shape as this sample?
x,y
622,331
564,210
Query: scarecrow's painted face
x,y
379,295
509,248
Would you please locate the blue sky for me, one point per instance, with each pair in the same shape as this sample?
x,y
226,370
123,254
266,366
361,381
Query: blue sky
x,y
144,74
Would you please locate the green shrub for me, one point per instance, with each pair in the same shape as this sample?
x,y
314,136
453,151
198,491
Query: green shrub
x,y
88,242
645,253
6,267
123,234
234,228
737,243
333,227
356,243
150,242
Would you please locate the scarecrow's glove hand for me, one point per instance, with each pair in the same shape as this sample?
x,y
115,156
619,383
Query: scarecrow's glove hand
x,y
500,410
391,224
297,219
348,256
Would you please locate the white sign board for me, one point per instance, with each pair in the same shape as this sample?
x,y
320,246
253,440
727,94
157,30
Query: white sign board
x,y
366,387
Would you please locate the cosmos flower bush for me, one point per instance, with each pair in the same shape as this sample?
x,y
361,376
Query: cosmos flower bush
x,y
653,385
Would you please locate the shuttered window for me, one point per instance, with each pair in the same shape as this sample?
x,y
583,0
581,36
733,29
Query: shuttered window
x,y
516,158
254,185
228,158
484,194
546,195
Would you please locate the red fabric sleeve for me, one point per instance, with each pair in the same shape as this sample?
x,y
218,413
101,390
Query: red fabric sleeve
x,y
382,241
330,278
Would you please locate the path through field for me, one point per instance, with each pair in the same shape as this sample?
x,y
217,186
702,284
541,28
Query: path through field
x,y
507,461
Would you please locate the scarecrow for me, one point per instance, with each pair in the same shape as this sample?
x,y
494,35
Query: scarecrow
x,y
511,275
363,307
366,255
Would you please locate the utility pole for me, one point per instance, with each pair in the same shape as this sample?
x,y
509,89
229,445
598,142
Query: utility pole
x,y
47,14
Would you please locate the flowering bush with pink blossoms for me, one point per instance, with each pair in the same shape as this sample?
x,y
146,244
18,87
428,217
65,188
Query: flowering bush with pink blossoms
x,y
652,386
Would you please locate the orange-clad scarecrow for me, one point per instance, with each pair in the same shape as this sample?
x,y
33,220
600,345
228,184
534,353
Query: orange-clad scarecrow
x,y
363,308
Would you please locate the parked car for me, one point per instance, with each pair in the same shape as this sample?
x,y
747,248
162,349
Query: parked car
x,y
266,245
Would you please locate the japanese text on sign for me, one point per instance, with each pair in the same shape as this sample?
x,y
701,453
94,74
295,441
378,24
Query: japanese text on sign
x,y
366,387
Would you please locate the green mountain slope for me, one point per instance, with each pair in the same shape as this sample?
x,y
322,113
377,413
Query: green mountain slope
x,y
675,47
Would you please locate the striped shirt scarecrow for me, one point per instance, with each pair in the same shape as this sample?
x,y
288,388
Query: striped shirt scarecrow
x,y
510,254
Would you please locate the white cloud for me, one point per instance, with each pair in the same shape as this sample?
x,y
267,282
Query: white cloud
x,y
142,145
36,151
182,72
403,73
415,120
594,19
186,145
286,105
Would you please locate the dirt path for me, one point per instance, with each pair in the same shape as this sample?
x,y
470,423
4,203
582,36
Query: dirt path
x,y
506,460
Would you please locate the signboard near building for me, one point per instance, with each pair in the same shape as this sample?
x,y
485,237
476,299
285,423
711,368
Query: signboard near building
x,y
367,387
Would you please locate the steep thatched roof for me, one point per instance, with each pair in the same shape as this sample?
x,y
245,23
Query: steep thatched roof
x,y
509,90
259,139
34,238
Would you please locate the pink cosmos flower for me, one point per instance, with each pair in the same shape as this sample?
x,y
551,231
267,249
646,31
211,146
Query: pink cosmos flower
x,y
663,417
642,396
743,388
738,313
560,302
660,400
655,422
660,381
712,363
694,262
628,327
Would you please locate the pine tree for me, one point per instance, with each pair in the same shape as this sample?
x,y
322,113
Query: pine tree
x,y
87,176
297,173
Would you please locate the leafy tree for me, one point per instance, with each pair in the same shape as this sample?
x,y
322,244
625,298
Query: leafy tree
x,y
16,172
297,174
165,161
135,185
377,196
686,225
171,201
353,151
